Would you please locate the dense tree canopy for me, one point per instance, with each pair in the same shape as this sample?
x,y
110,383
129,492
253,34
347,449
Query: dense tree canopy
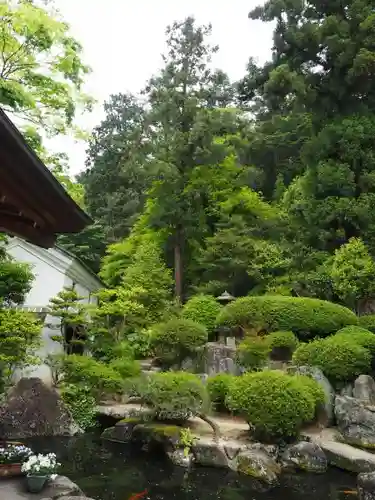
x,y
41,71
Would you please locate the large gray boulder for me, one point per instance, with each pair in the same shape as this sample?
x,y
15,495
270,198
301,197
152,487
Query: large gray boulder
x,y
327,413
356,421
364,389
31,408
210,454
305,456
60,487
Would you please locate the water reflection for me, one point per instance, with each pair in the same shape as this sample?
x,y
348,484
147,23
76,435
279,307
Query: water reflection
x,y
109,471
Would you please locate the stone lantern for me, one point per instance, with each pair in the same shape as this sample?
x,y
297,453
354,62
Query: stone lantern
x,y
222,335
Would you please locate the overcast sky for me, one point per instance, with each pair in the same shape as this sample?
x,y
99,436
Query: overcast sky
x,y
123,41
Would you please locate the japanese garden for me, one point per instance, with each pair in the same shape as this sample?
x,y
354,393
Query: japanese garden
x,y
229,351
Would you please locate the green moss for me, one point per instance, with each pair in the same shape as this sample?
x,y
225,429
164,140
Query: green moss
x,y
162,429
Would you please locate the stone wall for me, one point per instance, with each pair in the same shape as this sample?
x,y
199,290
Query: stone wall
x,y
220,358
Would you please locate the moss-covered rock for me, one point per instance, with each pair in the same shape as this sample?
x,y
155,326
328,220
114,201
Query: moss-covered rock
x,y
155,434
258,465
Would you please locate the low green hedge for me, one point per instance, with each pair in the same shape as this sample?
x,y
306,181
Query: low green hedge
x,y
275,404
306,317
340,358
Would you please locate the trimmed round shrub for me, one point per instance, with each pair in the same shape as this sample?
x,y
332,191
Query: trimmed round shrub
x,y
202,309
315,390
367,322
275,404
282,344
306,317
218,388
174,395
86,371
126,367
340,359
253,353
177,340
358,335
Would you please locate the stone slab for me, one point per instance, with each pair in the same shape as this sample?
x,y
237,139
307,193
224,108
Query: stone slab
x,y
342,455
14,489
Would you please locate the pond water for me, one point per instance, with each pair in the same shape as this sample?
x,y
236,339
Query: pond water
x,y
111,471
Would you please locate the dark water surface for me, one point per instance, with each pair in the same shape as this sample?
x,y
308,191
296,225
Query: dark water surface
x,y
111,471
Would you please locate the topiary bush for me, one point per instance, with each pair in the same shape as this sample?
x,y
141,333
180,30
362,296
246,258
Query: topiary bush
x,y
340,359
359,335
202,309
253,353
176,340
367,322
174,395
282,344
218,388
306,317
100,378
275,404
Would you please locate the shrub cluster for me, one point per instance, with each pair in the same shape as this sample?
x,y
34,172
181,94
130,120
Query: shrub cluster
x,y
88,372
174,395
202,309
338,357
282,344
218,389
275,404
306,317
253,352
81,403
176,340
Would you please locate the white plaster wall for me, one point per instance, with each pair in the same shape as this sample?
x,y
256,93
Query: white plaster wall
x,y
48,282
51,276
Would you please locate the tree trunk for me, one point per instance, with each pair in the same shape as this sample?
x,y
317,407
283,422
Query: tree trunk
x,y
178,267
214,426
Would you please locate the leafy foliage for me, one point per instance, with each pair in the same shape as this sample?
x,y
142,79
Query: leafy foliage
x,y
275,405
253,353
81,403
174,395
341,359
305,317
41,69
359,336
352,273
70,312
218,389
283,340
177,339
367,322
202,309
20,337
98,377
